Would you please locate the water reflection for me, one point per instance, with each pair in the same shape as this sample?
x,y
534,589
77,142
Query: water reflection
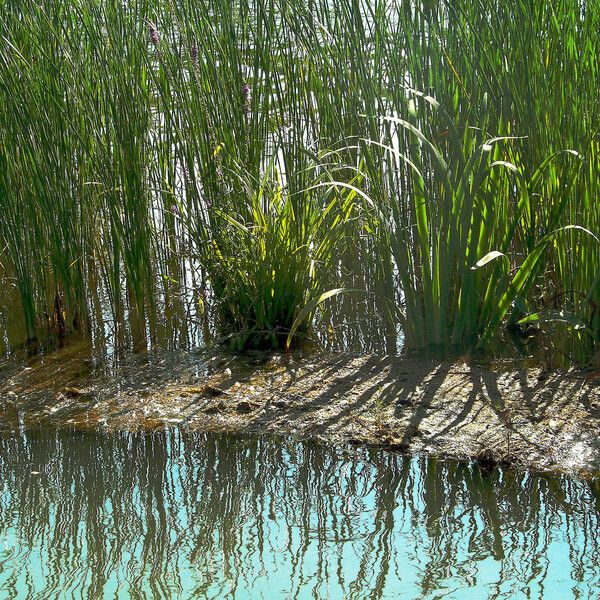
x,y
181,515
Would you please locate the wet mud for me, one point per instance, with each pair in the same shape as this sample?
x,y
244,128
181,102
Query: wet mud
x,y
507,413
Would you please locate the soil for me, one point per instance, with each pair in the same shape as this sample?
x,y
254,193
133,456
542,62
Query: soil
x,y
506,413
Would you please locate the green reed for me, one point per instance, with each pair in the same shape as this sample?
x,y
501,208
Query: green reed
x,y
449,148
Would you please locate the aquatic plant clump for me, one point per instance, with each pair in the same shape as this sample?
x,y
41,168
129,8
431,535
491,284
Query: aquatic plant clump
x,y
263,154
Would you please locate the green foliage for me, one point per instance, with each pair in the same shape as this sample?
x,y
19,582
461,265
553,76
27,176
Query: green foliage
x,y
252,140
266,255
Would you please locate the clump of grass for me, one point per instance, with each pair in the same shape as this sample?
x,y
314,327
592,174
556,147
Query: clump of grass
x,y
461,213
270,258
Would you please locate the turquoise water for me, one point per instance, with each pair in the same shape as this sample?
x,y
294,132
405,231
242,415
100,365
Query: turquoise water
x,y
189,515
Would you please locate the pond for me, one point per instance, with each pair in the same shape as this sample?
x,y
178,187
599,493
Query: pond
x,y
177,514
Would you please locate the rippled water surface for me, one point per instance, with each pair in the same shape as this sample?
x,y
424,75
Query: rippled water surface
x,y
189,515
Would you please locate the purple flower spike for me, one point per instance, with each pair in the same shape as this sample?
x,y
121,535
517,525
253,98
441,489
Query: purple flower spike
x,y
246,97
194,52
153,34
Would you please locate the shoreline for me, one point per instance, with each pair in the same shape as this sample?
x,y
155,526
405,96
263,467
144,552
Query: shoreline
x,y
509,415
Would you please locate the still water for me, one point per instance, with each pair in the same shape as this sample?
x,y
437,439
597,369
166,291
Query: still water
x,y
188,515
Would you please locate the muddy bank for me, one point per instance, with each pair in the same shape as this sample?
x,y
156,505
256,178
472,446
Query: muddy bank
x,y
508,414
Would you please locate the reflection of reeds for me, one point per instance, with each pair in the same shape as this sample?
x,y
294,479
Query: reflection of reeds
x,y
187,514
126,147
